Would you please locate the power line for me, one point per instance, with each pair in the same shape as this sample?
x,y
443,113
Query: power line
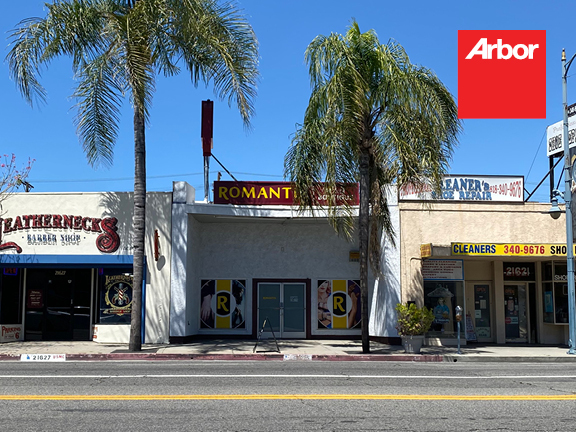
x,y
149,177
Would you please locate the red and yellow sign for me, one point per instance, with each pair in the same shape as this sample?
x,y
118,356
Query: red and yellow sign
x,y
276,193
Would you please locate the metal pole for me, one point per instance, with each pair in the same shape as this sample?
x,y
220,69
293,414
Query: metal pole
x,y
206,179
459,338
568,201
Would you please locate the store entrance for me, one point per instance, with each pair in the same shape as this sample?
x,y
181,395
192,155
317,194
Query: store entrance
x,y
58,304
285,307
515,311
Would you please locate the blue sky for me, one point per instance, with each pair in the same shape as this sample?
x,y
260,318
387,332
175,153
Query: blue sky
x,y
427,30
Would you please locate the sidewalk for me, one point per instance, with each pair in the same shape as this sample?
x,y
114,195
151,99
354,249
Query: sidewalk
x,y
345,350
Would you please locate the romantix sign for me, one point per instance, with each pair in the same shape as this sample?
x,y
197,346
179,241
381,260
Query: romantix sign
x,y
276,193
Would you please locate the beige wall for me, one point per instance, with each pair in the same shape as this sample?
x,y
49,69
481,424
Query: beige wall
x,y
442,223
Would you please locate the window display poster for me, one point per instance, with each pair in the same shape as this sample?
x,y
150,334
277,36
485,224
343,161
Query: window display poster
x,y
511,312
338,304
115,296
482,309
442,298
222,304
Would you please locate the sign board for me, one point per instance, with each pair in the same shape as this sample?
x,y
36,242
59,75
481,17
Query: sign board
x,y
508,249
277,193
52,233
43,357
470,188
434,269
11,332
555,136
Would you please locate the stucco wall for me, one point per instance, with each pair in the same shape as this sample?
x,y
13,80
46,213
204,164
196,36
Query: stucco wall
x,y
252,242
442,223
100,206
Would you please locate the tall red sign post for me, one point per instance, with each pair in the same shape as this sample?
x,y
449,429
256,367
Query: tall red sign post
x,y
206,135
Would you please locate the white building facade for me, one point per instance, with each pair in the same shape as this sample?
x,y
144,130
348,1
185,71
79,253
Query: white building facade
x,y
66,267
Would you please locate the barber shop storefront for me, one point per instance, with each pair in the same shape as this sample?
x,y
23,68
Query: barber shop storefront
x,y
66,267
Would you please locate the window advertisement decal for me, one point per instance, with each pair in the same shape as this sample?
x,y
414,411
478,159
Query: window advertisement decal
x,y
115,296
222,304
338,304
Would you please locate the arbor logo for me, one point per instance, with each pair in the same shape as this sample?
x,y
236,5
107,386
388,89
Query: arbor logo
x,y
501,74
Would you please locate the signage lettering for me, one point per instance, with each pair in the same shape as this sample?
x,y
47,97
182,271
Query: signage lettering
x,y
107,241
469,188
501,249
339,304
277,193
484,49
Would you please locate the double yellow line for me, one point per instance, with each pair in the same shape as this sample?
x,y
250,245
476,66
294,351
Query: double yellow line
x,y
292,397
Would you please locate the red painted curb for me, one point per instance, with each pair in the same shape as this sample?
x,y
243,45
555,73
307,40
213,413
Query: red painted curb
x,y
237,357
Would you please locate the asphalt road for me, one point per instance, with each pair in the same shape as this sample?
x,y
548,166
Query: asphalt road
x,y
290,395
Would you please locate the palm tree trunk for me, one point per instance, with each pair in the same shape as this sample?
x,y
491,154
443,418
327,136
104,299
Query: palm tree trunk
x,y
363,222
139,228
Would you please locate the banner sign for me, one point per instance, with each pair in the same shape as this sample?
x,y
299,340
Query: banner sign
x,y
438,269
276,193
555,137
508,249
470,188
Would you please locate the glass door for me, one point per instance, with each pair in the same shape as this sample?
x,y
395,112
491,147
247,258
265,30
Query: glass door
x,y
294,311
482,312
58,304
515,311
283,306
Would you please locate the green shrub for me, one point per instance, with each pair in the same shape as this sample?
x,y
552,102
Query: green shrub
x,y
412,320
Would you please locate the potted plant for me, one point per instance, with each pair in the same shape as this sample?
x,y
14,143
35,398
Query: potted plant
x,y
413,322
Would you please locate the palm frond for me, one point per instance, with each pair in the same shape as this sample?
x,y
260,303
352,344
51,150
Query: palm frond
x,y
100,96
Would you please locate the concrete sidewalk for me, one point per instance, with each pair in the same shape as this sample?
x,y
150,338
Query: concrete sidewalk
x,y
345,350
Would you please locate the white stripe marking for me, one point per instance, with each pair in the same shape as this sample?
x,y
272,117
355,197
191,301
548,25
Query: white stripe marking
x,y
432,377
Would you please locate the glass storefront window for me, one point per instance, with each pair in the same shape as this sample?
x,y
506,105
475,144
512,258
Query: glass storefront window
x,y
442,298
115,296
10,295
561,302
547,271
548,302
555,292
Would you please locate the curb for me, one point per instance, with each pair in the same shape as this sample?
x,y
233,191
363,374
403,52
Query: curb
x,y
422,358
241,357
453,358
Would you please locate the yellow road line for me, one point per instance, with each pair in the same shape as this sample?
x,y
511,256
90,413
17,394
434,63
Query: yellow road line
x,y
291,397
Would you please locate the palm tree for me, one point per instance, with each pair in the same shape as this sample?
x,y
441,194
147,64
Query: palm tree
x,y
373,118
118,47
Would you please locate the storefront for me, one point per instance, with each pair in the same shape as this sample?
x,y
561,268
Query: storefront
x,y
501,259
251,262
66,267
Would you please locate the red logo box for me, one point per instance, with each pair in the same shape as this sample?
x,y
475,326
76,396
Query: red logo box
x,y
501,74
